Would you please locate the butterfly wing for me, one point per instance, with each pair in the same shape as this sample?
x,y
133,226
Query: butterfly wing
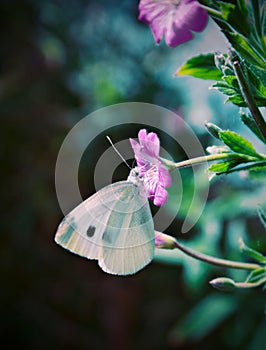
x,y
114,225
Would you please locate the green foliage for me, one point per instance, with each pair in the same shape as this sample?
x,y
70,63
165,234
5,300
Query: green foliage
x,y
257,277
238,143
245,49
238,150
251,253
231,14
229,84
212,311
262,215
250,123
201,66
224,167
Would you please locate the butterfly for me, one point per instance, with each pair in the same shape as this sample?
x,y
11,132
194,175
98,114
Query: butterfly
x,y
114,226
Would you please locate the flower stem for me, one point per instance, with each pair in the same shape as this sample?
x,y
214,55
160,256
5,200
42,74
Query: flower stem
x,y
212,12
255,112
210,158
215,261
250,285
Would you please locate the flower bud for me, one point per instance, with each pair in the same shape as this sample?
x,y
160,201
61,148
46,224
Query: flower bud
x,y
164,241
218,149
213,129
219,60
223,284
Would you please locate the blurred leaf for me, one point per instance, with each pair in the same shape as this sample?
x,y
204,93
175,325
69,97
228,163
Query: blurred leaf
x,y
231,13
250,123
251,253
262,215
202,66
238,143
204,318
256,275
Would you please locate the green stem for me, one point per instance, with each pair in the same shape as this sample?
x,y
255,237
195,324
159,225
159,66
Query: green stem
x,y
215,261
210,158
255,112
212,12
250,285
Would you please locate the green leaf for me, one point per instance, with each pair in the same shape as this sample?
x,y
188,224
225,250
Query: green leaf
x,y
202,67
256,275
250,123
231,80
257,83
245,49
231,13
251,253
255,168
238,143
223,167
224,88
237,99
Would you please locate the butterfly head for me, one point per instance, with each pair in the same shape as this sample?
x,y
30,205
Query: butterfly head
x,y
134,176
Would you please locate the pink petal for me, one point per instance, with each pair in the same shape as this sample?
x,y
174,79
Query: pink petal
x,y
161,196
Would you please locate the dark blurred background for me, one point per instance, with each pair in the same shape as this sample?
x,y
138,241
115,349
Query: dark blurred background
x,y
59,61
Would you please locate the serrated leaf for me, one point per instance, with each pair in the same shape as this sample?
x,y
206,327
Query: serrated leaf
x,y
231,80
250,123
224,88
236,99
202,67
251,253
238,143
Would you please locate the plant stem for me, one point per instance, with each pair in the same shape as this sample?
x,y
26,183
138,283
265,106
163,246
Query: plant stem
x,y
215,261
204,159
212,12
250,285
255,112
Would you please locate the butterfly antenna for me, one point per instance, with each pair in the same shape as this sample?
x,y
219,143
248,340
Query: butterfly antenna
x,y
120,155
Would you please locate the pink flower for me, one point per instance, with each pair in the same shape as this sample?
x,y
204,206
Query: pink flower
x,y
156,176
175,19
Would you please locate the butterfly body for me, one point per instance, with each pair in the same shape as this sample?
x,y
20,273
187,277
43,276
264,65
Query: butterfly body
x,y
114,226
